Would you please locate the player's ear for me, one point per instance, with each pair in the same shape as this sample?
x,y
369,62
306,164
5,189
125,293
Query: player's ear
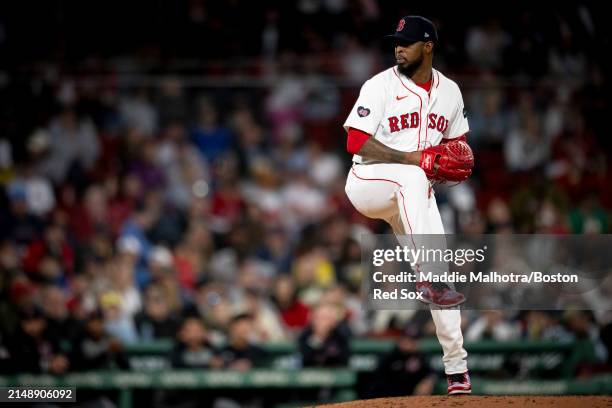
x,y
429,46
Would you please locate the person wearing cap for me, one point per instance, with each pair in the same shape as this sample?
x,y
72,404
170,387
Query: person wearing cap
x,y
402,125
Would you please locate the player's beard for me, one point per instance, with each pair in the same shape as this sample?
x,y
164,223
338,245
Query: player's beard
x,y
408,69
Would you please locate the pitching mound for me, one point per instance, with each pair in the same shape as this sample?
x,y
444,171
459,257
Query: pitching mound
x,y
465,401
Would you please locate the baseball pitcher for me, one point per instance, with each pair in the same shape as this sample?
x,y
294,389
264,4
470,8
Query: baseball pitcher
x,y
407,131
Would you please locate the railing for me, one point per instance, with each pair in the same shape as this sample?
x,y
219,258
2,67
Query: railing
x,y
524,358
527,360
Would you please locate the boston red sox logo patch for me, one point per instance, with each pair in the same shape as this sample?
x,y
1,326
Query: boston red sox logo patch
x,y
400,25
363,112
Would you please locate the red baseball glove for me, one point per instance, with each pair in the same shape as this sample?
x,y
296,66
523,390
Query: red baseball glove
x,y
452,161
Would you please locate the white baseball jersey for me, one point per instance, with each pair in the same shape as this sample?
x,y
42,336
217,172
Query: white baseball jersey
x,y
404,116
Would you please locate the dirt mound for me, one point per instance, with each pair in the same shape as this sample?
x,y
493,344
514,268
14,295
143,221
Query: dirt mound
x,y
467,401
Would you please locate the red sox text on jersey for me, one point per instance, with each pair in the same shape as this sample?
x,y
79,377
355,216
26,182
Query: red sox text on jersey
x,y
412,120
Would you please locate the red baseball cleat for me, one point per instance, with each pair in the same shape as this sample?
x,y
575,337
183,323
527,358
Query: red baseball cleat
x,y
439,294
459,384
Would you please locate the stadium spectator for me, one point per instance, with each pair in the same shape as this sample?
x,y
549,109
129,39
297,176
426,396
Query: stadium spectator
x,y
304,202
122,282
525,148
212,303
117,323
403,370
18,223
485,44
21,297
184,167
135,240
39,194
352,317
488,118
492,325
359,62
312,271
192,254
293,312
324,343
172,104
275,249
95,349
209,136
138,112
252,140
193,349
32,350
241,353
582,328
82,299
283,104
73,148
163,274
543,325
51,258
267,323
91,216
61,325
156,320
228,203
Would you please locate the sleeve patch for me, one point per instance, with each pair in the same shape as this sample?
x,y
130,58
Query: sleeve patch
x,y
363,112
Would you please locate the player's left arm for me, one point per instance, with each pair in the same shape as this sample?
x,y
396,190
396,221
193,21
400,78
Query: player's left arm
x,y
458,127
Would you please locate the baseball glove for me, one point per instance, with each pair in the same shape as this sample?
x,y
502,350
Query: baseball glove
x,y
452,161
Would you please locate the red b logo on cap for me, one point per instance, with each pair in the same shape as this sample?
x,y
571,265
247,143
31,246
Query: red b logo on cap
x,y
400,25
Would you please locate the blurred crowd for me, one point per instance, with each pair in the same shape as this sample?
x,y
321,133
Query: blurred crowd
x,y
140,204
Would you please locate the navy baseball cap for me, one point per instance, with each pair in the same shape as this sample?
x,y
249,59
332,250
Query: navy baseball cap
x,y
414,29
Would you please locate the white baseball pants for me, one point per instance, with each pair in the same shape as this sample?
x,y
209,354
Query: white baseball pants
x,y
399,194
